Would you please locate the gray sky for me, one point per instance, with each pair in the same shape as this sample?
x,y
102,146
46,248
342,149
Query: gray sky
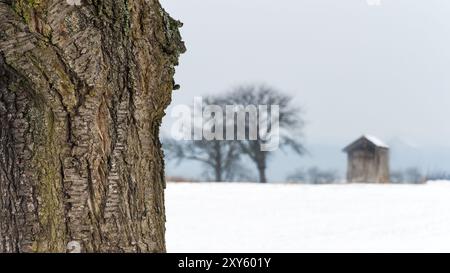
x,y
355,68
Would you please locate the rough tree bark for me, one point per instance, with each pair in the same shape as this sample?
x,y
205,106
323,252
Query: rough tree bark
x,y
82,93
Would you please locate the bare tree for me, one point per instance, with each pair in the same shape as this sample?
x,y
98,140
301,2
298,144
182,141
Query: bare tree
x,y
290,124
83,90
414,176
411,175
318,176
397,177
221,159
298,176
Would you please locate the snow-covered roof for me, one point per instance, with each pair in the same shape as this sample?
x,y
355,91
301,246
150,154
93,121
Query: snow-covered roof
x,y
374,140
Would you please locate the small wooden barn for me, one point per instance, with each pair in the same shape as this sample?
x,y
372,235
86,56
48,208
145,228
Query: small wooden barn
x,y
368,161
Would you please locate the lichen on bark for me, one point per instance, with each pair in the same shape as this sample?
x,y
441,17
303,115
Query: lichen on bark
x,y
83,90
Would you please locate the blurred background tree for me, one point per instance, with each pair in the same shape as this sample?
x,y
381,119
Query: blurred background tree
x,y
290,124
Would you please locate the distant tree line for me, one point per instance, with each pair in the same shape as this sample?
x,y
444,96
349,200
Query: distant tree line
x,y
410,175
314,175
438,175
413,175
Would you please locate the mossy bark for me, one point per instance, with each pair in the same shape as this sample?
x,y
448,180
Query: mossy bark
x,y
83,90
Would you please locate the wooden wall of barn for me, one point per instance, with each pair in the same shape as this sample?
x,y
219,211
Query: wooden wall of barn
x,y
369,164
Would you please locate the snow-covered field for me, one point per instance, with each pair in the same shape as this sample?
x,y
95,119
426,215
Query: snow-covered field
x,y
210,217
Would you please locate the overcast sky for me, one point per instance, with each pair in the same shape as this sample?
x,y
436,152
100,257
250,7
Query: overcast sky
x,y
355,68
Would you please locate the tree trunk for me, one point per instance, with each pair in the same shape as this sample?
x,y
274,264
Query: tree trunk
x,y
82,93
260,161
218,168
262,174
219,174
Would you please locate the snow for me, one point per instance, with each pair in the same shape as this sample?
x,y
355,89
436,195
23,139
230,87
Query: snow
x,y
231,217
376,141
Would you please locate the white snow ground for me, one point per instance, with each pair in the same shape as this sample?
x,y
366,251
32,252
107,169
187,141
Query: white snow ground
x,y
206,217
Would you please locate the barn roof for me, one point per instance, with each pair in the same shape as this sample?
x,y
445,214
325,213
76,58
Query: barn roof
x,y
366,138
